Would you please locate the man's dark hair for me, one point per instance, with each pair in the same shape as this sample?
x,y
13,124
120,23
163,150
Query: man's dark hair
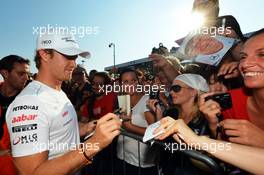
x,y
129,70
91,74
7,63
105,76
37,57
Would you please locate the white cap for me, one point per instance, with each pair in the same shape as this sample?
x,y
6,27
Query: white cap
x,y
194,81
64,43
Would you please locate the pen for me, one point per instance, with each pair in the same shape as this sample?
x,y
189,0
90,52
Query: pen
x,y
95,122
121,120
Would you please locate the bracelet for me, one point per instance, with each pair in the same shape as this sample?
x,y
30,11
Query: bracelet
x,y
88,159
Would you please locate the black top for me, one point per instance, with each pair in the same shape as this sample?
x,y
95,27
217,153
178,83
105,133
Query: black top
x,y
4,103
173,163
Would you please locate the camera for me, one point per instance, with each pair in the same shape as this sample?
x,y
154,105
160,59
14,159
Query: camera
x,y
154,95
224,100
150,77
161,50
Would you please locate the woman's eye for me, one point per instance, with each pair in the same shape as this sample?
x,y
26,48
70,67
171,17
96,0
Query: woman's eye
x,y
261,55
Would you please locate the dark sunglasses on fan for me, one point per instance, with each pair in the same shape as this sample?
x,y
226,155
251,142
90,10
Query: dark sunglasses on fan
x,y
177,88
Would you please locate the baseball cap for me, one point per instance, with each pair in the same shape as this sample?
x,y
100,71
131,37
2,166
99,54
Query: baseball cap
x,y
195,81
64,43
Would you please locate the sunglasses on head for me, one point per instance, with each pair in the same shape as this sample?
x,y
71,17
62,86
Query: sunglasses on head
x,y
176,88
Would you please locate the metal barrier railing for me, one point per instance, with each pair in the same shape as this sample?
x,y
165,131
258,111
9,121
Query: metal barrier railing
x,y
215,169
190,153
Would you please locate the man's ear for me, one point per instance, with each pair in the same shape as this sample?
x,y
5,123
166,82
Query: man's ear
x,y
4,73
45,56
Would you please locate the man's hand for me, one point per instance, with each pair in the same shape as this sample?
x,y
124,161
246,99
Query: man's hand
x,y
107,128
162,64
243,132
86,128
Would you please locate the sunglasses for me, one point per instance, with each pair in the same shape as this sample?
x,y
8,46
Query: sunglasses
x,y
177,88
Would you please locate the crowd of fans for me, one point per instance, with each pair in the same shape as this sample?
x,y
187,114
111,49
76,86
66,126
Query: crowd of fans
x,y
187,97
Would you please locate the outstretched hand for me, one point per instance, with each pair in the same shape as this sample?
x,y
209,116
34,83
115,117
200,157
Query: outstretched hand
x,y
177,128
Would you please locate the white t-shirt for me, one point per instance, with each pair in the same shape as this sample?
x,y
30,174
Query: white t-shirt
x,y
42,118
130,145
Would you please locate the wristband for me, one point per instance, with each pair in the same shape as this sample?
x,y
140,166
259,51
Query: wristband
x,y
88,159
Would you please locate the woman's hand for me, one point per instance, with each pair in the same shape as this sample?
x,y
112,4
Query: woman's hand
x,y
229,70
155,107
210,109
177,128
243,132
127,123
153,104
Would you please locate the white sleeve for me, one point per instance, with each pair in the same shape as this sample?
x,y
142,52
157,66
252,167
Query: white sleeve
x,y
28,126
144,106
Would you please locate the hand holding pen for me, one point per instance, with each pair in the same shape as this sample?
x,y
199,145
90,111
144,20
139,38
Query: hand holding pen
x,y
118,117
107,128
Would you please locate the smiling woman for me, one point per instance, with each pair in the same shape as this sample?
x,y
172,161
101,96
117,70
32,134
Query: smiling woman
x,y
245,119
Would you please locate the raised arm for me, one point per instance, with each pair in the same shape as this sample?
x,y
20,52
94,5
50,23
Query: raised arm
x,y
238,155
107,128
